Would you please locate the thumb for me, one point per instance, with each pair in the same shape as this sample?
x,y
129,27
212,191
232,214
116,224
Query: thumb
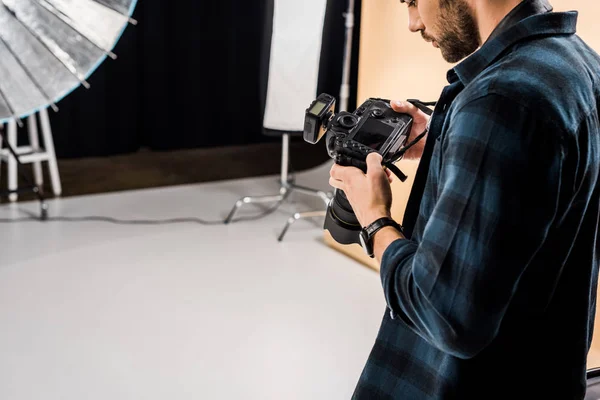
x,y
405,107
374,164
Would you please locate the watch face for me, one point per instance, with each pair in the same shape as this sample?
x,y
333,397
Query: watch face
x,y
363,241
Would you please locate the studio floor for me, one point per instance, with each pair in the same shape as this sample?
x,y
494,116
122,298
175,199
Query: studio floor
x,y
97,311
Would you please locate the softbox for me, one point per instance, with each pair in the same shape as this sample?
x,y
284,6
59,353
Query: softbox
x,y
293,63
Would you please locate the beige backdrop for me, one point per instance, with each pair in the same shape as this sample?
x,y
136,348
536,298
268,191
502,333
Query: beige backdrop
x,y
397,64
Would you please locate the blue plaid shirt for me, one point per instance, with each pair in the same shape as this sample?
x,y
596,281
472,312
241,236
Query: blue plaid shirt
x,y
493,296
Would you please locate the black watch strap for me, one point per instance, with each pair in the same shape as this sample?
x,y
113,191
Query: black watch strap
x,y
381,223
369,232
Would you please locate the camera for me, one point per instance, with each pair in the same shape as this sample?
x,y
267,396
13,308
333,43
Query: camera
x,y
350,138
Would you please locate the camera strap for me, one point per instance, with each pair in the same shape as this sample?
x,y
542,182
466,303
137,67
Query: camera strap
x,y
423,106
396,171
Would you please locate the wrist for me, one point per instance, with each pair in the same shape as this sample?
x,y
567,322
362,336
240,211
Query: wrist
x,y
383,227
383,239
374,215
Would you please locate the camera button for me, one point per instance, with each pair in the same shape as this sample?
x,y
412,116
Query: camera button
x,y
377,113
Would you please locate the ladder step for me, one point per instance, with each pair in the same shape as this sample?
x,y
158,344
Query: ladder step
x,y
26,157
34,157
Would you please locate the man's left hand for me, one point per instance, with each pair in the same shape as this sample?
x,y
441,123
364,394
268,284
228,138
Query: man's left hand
x,y
370,194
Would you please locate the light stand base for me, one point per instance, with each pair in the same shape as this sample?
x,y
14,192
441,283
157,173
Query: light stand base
x,y
286,188
296,217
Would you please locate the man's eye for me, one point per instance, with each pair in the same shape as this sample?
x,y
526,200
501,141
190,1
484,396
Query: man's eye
x,y
409,3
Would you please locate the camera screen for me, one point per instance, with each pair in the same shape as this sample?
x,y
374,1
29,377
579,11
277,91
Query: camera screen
x,y
373,133
317,108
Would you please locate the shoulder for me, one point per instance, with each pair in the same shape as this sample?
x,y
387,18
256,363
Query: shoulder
x,y
555,80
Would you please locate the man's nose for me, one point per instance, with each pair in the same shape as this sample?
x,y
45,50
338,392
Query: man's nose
x,y
414,20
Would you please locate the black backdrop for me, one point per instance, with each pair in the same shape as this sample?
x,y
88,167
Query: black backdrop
x,y
187,76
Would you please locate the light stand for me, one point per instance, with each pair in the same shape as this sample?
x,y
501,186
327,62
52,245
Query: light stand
x,y
344,96
345,89
287,186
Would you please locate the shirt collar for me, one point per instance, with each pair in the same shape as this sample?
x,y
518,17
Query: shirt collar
x,y
529,19
525,9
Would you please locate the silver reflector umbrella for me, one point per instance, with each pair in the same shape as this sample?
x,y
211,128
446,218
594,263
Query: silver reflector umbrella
x,y
50,47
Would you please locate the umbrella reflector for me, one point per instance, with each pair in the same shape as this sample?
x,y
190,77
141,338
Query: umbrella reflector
x,y
4,109
122,6
45,70
49,47
101,25
76,52
20,92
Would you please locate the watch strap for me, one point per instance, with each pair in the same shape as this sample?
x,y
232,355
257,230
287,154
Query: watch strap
x,y
379,224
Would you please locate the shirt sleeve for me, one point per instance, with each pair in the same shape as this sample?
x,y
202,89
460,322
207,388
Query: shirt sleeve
x,y
498,181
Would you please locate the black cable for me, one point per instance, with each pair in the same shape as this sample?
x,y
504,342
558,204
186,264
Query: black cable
x,y
117,221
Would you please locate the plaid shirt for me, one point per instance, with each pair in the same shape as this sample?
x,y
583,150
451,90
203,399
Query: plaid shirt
x,y
494,294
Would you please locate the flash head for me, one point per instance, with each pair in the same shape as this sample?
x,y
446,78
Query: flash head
x,y
317,118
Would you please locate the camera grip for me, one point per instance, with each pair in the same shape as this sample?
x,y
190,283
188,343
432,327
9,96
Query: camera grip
x,y
351,159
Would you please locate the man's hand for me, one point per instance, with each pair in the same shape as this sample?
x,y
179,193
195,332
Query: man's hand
x,y
420,121
370,194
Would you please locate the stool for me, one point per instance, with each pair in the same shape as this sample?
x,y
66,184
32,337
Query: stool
x,y
32,154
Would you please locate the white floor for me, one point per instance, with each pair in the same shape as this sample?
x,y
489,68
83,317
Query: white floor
x,y
91,310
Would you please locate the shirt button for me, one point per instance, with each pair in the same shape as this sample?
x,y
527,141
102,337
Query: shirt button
x,y
392,313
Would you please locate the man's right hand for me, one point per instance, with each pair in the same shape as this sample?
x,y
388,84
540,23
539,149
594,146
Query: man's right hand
x,y
420,121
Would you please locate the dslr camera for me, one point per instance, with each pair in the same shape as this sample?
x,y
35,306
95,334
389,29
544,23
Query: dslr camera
x,y
350,138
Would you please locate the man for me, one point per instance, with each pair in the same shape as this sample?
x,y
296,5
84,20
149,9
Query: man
x,y
491,283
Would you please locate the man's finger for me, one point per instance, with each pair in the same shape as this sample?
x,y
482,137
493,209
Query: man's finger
x,y
406,107
374,164
344,173
336,184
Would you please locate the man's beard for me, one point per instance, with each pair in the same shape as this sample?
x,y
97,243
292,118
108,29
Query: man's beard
x,y
459,34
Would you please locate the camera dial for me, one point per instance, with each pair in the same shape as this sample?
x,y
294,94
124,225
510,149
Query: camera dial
x,y
377,113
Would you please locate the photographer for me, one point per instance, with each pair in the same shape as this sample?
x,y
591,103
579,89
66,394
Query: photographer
x,y
491,282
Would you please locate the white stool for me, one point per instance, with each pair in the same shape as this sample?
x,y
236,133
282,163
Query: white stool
x,y
32,154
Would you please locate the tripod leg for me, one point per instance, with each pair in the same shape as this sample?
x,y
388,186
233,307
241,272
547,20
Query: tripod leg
x,y
296,217
35,146
1,139
49,146
326,197
255,200
11,140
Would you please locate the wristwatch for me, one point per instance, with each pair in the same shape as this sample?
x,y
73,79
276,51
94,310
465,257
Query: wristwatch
x,y
366,234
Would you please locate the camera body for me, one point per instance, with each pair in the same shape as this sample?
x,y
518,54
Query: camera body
x,y
350,138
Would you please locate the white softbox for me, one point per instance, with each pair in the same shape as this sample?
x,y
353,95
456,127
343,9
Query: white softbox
x,y
295,52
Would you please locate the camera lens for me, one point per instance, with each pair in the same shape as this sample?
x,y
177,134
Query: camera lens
x,y
341,222
348,121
